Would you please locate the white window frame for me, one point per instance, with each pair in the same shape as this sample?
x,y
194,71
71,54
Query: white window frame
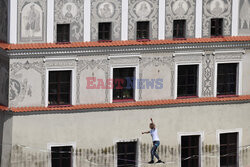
x,y
238,77
222,131
138,150
73,144
201,134
73,82
136,79
199,77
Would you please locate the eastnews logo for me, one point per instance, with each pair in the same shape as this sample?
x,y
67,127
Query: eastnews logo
x,y
127,83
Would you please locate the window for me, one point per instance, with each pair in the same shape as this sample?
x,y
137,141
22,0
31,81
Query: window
x,y
216,27
123,84
61,156
59,87
179,29
142,30
63,32
228,149
187,80
226,79
126,154
190,151
104,32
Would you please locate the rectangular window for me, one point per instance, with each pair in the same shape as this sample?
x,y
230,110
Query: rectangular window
x,y
228,149
179,29
61,156
216,27
190,151
123,84
227,79
63,31
126,154
187,81
104,32
59,87
142,30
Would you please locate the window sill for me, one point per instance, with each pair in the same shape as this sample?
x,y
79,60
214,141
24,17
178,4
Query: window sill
x,y
187,97
56,106
225,96
103,41
143,40
62,43
123,100
179,39
220,36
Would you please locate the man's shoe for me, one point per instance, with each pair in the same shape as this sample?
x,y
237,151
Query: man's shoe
x,y
151,162
159,161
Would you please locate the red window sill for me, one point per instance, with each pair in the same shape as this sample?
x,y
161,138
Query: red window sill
x,y
225,96
63,43
143,40
56,106
123,100
187,97
103,41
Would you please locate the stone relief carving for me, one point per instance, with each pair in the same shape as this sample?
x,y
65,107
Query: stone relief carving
x,y
155,62
3,20
70,12
102,64
244,17
32,20
217,9
207,75
19,86
106,11
180,9
143,10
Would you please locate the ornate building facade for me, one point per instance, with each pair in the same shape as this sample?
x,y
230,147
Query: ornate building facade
x,y
80,79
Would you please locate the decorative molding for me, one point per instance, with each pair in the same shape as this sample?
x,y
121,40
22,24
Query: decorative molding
x,y
143,10
207,75
106,11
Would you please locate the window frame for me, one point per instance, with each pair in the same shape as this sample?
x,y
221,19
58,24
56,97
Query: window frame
x,y
110,32
57,34
222,28
136,78
73,87
72,144
199,78
184,36
201,134
148,33
238,77
223,131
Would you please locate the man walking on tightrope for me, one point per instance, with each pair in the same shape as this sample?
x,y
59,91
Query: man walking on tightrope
x,y
156,142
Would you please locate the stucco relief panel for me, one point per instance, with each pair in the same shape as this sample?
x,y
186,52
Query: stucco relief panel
x,y
217,9
32,21
70,12
177,10
106,11
143,10
244,17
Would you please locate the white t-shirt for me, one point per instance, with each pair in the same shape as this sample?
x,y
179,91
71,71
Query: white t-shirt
x,y
154,134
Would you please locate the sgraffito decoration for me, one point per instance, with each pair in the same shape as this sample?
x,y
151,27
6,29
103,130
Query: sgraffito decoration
x,y
244,17
180,10
106,11
143,10
32,21
70,12
217,9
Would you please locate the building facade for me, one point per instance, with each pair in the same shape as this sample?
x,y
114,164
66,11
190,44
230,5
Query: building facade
x,y
80,80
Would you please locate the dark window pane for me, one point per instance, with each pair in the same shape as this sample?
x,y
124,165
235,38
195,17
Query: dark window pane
x,y
63,32
216,27
179,28
59,87
126,154
61,156
142,30
187,80
123,83
104,31
226,79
